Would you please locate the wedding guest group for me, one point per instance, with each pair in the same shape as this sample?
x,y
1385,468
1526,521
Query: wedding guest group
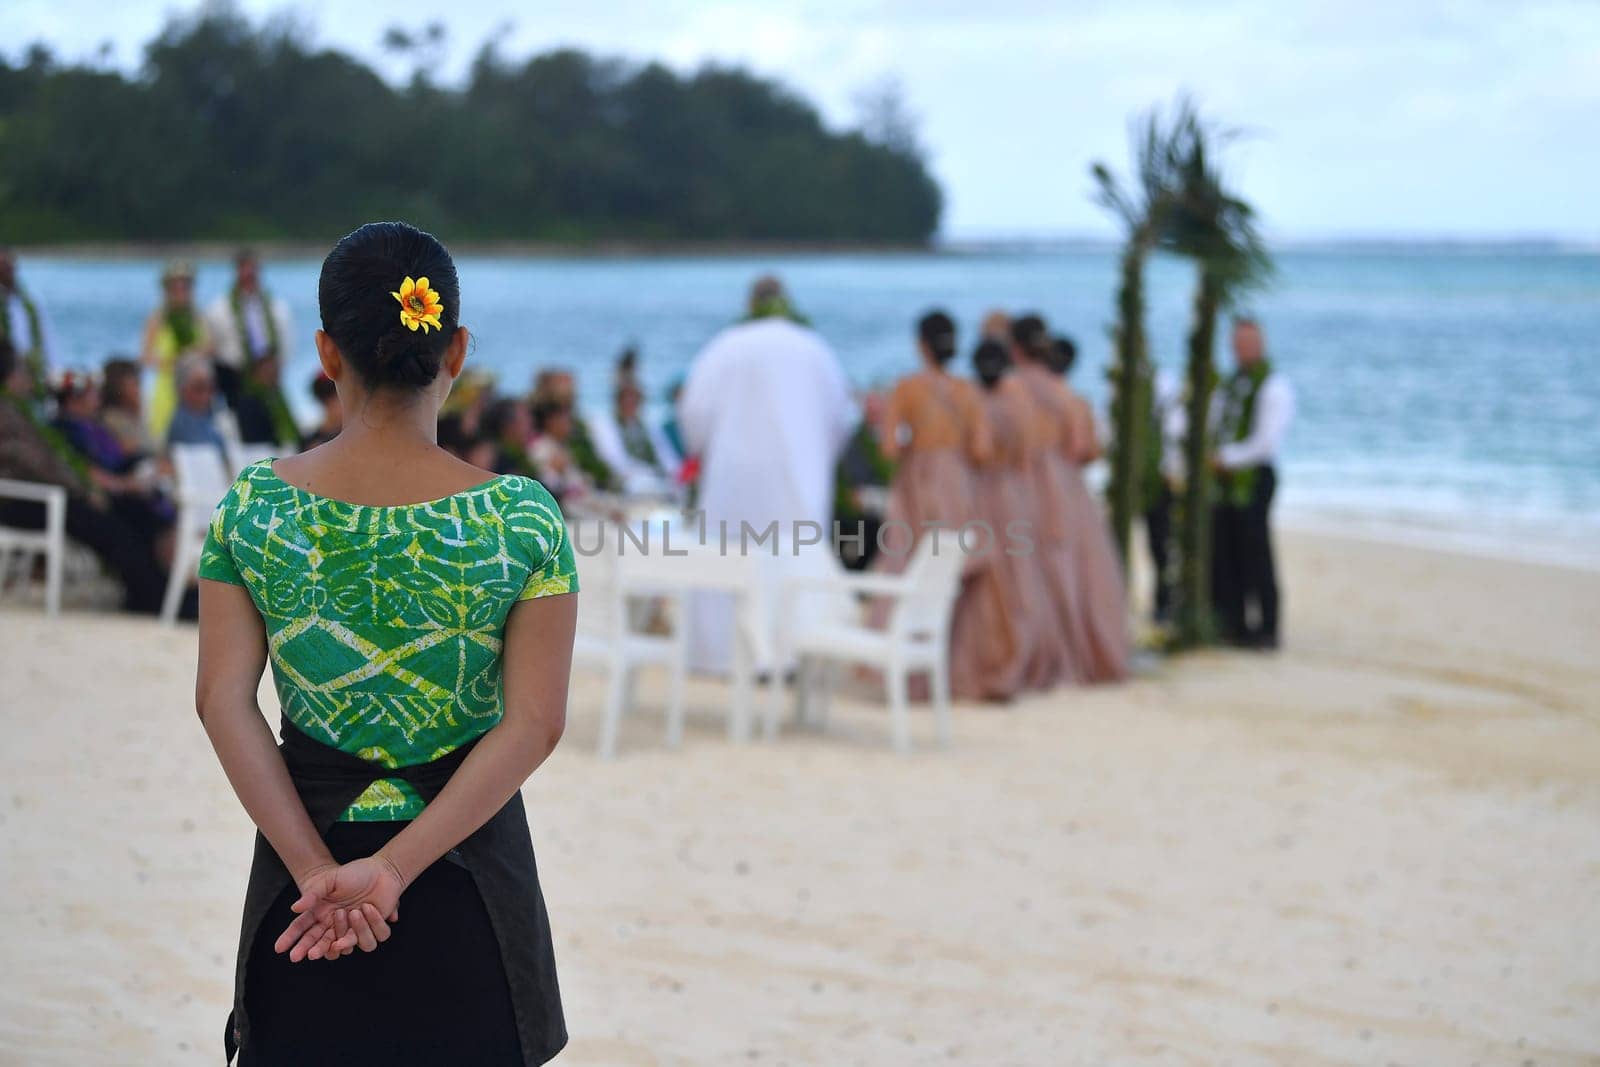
x,y
764,426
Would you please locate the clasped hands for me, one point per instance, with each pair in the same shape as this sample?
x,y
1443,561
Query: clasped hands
x,y
343,907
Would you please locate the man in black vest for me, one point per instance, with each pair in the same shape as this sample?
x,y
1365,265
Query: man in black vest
x,y
1255,408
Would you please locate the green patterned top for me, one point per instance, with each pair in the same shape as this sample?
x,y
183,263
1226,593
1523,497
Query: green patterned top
x,y
384,624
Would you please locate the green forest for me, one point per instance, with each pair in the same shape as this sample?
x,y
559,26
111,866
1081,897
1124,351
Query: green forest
x,y
237,130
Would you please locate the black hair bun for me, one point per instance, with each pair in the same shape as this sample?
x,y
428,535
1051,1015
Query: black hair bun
x,y
363,318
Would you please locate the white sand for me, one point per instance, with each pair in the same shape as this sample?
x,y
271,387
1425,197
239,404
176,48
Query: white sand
x,y
1381,846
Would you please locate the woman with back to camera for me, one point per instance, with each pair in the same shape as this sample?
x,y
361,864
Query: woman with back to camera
x,y
1019,650
420,633
934,431
1088,586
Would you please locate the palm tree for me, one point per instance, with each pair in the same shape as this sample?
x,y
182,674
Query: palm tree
x,y
1142,208
1214,227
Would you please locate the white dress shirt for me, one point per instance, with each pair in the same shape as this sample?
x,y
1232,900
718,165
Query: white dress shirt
x,y
1269,422
232,349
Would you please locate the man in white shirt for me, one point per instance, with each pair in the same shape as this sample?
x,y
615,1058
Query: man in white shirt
x,y
1255,408
767,409
23,323
248,324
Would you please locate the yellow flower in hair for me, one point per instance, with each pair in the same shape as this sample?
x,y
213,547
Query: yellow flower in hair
x,y
419,305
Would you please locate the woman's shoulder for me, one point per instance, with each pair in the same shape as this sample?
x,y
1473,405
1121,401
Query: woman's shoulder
x,y
520,498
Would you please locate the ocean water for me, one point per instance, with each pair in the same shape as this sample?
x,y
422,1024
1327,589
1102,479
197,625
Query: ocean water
x,y
1443,392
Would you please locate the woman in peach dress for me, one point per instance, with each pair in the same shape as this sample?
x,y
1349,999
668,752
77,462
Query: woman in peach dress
x,y
1018,646
934,430
1095,600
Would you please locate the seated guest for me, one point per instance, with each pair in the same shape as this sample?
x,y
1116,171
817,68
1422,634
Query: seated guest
x,y
194,422
122,406
128,480
78,421
641,457
32,452
558,388
263,413
552,456
468,446
327,398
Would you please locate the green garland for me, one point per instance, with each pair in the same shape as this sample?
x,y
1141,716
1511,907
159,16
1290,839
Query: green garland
x,y
776,307
581,446
284,428
34,356
54,440
185,329
1238,415
636,442
236,301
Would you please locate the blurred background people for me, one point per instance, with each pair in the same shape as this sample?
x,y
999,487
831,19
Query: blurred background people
x,y
1017,624
1084,574
247,324
194,421
33,452
861,486
122,406
508,424
1103,597
935,432
558,469
324,392
767,409
638,453
173,332
128,479
555,388
1255,408
261,411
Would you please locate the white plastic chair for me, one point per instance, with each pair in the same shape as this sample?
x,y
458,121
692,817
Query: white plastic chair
x,y
917,638
704,569
51,542
202,483
607,637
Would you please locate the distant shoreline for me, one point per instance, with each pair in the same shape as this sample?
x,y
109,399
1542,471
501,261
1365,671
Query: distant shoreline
x,y
302,249
961,246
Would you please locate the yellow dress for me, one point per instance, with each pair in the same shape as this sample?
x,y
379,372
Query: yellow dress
x,y
164,393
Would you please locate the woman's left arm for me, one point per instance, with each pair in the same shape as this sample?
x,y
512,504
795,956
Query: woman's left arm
x,y
233,653
537,659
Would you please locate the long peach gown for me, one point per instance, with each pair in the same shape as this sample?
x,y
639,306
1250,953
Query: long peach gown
x,y
933,483
1015,645
1091,596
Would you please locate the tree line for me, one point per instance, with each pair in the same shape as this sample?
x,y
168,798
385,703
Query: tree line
x,y
234,130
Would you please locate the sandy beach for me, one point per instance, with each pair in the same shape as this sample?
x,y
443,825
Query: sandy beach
x,y
1379,846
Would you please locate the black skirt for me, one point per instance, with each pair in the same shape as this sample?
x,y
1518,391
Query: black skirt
x,y
434,993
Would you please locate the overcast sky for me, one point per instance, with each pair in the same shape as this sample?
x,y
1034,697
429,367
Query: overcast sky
x,y
1397,118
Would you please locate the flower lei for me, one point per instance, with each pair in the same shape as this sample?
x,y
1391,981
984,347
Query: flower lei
x,y
236,300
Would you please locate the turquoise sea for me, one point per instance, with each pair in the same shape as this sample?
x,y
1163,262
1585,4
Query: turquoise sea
x,y
1444,392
